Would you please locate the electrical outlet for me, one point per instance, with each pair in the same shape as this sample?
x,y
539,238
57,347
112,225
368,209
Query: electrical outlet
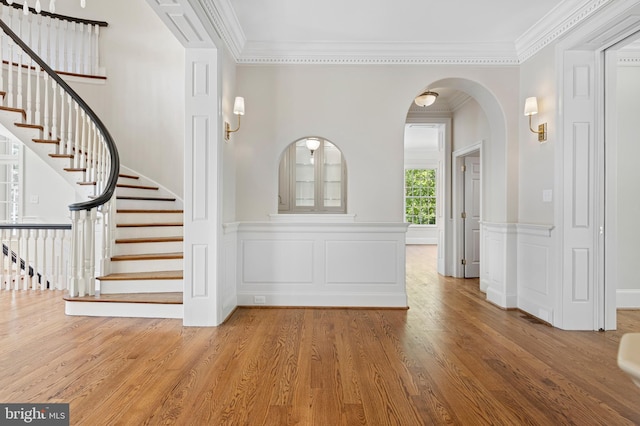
x,y
34,199
259,300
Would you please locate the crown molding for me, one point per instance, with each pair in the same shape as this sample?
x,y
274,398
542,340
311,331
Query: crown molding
x,y
225,22
561,19
378,53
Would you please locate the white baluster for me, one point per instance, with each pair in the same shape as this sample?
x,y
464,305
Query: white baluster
x,y
83,137
77,138
46,81
19,103
54,112
38,111
65,244
10,94
46,275
70,127
76,248
33,257
29,101
90,252
95,70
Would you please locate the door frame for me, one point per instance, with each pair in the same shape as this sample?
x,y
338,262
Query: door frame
x,y
457,161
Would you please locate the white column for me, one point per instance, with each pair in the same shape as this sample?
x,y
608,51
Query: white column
x,y
202,212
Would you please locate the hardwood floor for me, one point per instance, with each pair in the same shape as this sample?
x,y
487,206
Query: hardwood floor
x,y
452,358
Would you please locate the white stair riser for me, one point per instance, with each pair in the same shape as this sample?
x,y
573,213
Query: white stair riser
x,y
149,217
146,204
141,286
126,266
149,231
141,248
132,310
138,192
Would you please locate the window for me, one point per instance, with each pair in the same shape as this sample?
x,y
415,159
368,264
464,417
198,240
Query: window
x,y
312,178
420,196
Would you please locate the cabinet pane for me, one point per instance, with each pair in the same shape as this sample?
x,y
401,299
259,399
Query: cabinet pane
x,y
305,176
332,175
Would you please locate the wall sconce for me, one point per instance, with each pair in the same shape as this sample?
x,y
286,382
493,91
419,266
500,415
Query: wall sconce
x,y
312,144
425,99
238,109
531,108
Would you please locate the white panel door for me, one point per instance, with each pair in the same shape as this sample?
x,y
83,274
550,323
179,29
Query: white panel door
x,y
472,217
580,179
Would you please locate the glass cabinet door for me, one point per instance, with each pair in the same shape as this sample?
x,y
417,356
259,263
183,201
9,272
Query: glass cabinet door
x,y
332,176
305,179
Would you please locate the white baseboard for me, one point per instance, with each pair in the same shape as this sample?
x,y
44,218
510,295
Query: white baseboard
x,y
628,299
360,300
425,241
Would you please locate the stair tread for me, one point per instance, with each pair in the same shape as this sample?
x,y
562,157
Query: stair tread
x,y
51,141
158,298
148,211
128,197
133,276
87,183
74,169
126,185
123,175
148,256
142,225
30,126
149,240
61,155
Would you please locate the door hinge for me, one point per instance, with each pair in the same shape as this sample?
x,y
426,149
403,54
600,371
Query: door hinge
x,y
463,215
464,261
463,168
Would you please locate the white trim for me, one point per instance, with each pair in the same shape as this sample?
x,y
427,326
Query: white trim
x,y
422,241
312,218
536,230
628,299
132,310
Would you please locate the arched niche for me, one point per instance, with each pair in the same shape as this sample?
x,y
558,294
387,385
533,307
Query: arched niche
x,y
312,177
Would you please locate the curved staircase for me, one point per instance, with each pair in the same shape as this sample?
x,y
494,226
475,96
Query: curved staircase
x,y
142,269
146,277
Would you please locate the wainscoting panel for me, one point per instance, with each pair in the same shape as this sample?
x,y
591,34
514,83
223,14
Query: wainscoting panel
x,y
498,264
275,261
294,263
536,266
350,262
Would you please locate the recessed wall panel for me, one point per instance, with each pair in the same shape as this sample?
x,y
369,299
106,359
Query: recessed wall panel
x,y
361,262
200,79
580,285
199,270
581,75
533,265
200,143
581,174
275,261
185,27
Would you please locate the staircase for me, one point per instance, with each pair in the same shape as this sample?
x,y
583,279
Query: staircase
x,y
140,224
146,277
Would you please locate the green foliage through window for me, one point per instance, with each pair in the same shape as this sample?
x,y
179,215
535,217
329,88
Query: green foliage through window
x,y
420,196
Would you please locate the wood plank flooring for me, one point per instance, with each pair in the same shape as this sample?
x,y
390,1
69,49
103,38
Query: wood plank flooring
x,y
452,358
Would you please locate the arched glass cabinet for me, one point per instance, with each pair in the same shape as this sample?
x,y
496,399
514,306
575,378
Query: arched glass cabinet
x,y
312,178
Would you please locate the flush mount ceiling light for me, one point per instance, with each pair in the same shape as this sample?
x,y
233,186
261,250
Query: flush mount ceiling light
x,y
425,99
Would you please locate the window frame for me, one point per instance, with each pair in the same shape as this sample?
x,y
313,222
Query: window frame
x,y
434,197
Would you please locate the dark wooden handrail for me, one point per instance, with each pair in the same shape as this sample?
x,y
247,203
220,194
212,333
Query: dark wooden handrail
x,y
110,188
56,16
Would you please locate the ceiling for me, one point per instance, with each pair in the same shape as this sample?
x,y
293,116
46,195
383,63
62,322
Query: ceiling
x,y
398,31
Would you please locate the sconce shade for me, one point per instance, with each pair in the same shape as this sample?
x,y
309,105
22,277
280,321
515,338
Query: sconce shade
x,y
238,106
531,106
313,144
425,99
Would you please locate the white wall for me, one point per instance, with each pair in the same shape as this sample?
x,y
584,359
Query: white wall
x,y
363,110
53,192
628,176
537,159
142,101
470,125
